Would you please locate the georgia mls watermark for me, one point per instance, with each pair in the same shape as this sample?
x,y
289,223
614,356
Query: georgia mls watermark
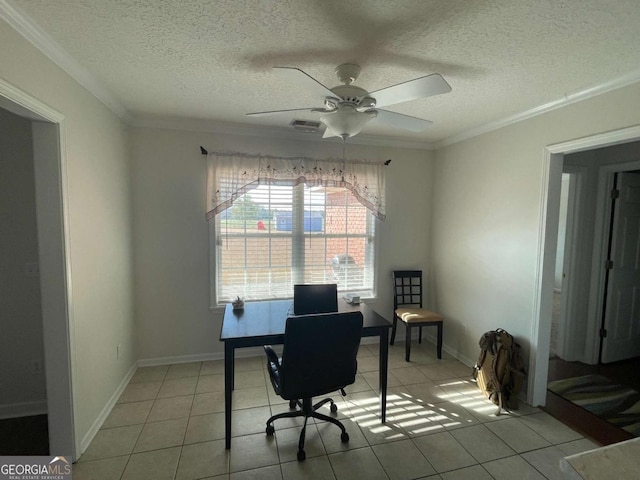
x,y
35,468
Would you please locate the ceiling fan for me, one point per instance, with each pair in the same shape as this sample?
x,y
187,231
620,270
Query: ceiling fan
x,y
348,108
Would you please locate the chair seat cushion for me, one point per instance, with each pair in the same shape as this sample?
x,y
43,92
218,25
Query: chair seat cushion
x,y
417,315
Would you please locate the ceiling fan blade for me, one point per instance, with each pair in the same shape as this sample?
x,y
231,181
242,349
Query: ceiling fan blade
x,y
279,112
399,120
418,88
295,75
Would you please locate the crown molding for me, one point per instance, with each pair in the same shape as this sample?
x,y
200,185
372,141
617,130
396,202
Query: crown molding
x,y
32,32
191,125
20,103
600,140
567,99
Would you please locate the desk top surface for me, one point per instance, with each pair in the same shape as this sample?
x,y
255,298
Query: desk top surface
x,y
268,318
619,460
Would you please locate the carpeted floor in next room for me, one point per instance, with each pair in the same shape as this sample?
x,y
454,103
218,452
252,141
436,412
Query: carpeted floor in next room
x,y
625,373
610,401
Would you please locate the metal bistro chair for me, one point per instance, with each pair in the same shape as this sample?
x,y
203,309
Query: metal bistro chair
x,y
318,357
407,307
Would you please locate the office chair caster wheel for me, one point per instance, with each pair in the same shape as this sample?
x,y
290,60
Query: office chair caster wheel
x,y
344,437
334,408
301,455
292,404
270,430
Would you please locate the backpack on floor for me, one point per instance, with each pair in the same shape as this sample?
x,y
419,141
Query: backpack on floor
x,y
499,371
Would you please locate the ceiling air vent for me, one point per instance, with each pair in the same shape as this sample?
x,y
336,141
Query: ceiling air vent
x,y
306,126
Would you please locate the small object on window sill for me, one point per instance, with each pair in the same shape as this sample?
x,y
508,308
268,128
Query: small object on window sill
x,y
238,304
352,298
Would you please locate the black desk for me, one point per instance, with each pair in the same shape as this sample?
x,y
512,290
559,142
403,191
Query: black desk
x,y
262,323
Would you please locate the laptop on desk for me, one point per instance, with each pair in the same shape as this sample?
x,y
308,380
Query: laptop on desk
x,y
311,299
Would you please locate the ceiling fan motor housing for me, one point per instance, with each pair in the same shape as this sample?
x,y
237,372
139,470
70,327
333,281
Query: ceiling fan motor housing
x,y
348,73
354,95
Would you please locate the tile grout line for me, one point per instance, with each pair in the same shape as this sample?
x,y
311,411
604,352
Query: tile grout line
x,y
349,415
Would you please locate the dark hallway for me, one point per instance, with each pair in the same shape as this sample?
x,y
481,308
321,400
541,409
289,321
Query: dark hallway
x,y
24,436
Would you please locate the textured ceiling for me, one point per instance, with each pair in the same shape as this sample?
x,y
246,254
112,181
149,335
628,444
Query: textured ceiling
x,y
210,60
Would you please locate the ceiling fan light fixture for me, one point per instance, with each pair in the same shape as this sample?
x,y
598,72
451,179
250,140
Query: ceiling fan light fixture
x,y
347,108
347,121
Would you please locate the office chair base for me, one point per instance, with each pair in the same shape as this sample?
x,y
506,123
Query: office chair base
x,y
334,408
308,411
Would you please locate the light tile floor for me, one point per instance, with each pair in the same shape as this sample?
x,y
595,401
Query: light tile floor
x,y
169,424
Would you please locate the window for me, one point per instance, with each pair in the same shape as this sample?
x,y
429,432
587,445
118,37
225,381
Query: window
x,y
275,236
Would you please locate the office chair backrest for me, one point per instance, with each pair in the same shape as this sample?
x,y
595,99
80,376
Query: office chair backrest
x,y
312,299
407,285
319,354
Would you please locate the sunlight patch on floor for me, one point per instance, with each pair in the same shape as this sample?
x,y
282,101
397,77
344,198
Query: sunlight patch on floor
x,y
409,415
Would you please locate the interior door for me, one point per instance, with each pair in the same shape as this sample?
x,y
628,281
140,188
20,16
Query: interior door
x,y
622,310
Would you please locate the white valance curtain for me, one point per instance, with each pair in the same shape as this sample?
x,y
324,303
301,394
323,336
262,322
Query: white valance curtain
x,y
230,175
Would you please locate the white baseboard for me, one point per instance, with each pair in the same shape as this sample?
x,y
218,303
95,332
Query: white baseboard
x,y
458,356
23,409
451,351
258,351
241,353
97,424
201,357
370,340
206,357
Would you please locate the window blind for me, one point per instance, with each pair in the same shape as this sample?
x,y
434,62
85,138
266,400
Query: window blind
x,y
276,236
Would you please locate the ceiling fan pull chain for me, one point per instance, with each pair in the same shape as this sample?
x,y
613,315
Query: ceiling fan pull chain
x,y
344,158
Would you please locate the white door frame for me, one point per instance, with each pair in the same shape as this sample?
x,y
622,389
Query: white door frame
x,y
565,347
571,341
547,242
49,157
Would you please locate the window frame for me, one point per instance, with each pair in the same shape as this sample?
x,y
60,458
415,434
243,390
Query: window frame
x,y
373,225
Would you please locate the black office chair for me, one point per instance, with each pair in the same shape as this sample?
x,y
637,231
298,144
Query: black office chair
x,y
407,307
319,357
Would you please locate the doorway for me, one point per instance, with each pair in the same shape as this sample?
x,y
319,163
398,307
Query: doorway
x,y
578,330
23,405
561,320
583,263
49,161
553,161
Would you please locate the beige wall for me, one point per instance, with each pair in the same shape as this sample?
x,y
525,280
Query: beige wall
x,y
486,215
99,221
467,214
171,236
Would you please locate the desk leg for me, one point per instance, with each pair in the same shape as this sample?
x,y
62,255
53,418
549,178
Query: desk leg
x,y
229,353
384,361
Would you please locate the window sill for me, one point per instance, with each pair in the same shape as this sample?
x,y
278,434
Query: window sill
x,y
217,308
221,307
